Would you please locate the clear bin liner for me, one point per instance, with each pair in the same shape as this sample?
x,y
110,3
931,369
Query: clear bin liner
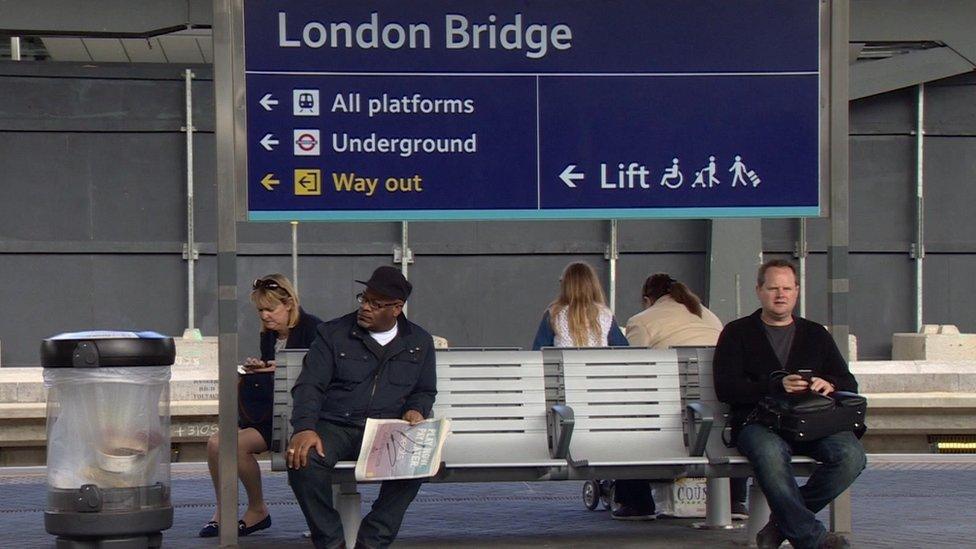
x,y
108,426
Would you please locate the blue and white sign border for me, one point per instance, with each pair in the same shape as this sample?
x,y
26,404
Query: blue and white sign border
x,y
240,136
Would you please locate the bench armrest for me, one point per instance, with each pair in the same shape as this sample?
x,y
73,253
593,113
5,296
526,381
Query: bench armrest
x,y
279,442
561,421
700,420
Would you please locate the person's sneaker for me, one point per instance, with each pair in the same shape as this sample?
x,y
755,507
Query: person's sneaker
x,y
769,537
834,541
740,511
625,512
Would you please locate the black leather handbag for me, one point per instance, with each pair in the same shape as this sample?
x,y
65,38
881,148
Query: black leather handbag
x,y
802,417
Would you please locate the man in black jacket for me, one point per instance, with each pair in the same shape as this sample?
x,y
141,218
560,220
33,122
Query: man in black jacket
x,y
761,354
373,363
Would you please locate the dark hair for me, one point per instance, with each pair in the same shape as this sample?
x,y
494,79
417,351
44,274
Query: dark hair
x,y
773,263
660,284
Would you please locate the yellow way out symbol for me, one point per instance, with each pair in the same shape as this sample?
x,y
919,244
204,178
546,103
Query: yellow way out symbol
x,y
269,181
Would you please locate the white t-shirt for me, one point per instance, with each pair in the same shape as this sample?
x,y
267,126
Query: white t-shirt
x,y
384,337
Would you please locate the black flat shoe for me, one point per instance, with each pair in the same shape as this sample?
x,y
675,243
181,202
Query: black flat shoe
x,y
209,530
245,530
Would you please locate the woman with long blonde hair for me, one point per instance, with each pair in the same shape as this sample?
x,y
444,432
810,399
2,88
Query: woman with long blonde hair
x,y
579,316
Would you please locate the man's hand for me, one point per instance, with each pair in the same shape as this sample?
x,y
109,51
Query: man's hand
x,y
301,443
413,416
794,383
822,386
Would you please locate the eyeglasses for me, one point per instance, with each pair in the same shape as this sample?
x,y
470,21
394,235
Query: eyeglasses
x,y
265,284
373,304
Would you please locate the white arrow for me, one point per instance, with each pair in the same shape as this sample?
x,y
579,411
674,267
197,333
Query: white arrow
x,y
267,102
568,176
268,141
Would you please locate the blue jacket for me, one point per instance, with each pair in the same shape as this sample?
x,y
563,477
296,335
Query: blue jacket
x,y
343,381
299,337
545,337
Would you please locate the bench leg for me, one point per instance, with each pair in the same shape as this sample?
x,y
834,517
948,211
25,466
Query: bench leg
x,y
840,514
348,503
758,513
718,506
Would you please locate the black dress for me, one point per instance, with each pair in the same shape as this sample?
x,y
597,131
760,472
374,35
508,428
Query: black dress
x,y
256,391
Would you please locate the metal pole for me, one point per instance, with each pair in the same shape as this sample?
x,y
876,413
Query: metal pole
x,y
738,295
15,48
191,252
801,254
918,251
224,29
405,254
838,283
294,254
611,256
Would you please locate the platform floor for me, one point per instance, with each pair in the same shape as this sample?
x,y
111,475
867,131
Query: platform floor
x,y
918,501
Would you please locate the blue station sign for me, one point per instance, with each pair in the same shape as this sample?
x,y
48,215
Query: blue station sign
x,y
532,109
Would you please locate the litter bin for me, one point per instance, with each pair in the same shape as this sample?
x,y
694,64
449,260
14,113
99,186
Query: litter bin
x,y
108,438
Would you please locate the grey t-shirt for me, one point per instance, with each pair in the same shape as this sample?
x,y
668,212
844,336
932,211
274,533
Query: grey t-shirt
x,y
781,338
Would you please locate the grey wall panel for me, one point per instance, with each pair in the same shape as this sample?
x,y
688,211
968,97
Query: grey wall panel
x,y
949,287
496,237
949,110
889,113
146,292
329,238
883,193
138,184
72,104
882,301
781,235
43,199
50,296
663,235
950,194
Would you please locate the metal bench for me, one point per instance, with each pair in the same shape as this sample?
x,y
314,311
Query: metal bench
x,y
513,414
630,421
496,402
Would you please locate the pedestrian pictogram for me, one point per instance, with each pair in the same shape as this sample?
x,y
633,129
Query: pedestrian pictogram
x,y
739,169
306,142
308,182
706,177
305,102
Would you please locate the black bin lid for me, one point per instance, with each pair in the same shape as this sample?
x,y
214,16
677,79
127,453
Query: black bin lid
x,y
107,349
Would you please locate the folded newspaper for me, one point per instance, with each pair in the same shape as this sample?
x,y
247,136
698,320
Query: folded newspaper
x,y
394,449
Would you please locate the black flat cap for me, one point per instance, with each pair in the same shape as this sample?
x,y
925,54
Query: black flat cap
x,y
389,282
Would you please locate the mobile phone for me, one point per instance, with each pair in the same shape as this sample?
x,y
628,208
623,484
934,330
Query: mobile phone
x,y
805,374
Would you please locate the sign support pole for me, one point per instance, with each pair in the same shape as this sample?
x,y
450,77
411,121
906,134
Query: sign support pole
x,y
223,38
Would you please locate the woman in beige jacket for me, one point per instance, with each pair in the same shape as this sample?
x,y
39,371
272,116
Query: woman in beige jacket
x,y
672,316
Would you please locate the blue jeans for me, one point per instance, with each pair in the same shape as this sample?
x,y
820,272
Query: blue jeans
x,y
794,507
312,485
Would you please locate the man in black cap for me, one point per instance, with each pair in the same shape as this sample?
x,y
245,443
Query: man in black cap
x,y
373,363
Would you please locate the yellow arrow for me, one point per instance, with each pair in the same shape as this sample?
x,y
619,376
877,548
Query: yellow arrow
x,y
268,181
